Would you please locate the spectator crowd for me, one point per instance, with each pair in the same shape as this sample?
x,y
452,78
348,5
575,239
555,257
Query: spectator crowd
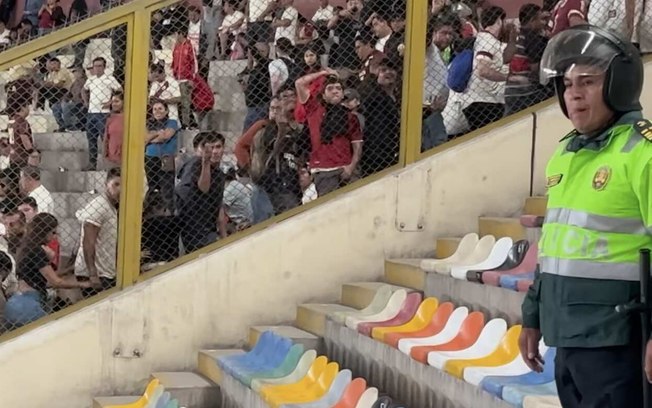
x,y
323,99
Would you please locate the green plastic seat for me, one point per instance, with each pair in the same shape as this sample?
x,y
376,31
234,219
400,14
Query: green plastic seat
x,y
287,366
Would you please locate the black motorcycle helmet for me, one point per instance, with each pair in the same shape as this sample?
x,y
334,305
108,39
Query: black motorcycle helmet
x,y
588,45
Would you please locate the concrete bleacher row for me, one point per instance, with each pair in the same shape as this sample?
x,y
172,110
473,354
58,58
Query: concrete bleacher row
x,y
427,339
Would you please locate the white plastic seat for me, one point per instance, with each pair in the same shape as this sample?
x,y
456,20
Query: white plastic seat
x,y
479,254
378,303
475,375
449,331
463,251
487,342
389,312
297,374
496,257
368,398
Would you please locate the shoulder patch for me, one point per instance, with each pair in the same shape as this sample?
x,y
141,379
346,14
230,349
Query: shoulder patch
x,y
644,128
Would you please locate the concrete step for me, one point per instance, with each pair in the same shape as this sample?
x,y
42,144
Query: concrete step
x,y
311,317
405,272
190,389
67,204
104,402
535,205
446,247
73,181
207,363
61,141
308,340
359,294
501,227
53,160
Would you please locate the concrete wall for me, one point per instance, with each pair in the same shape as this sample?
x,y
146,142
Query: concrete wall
x,y
212,301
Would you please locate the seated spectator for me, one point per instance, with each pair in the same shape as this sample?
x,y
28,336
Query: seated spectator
x,y
567,13
29,207
230,28
96,257
20,131
55,87
13,226
308,189
286,21
160,242
35,273
113,131
199,193
50,16
236,205
30,186
161,148
72,104
335,133
34,158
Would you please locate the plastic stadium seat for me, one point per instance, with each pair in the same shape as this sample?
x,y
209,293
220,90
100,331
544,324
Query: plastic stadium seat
x,y
529,264
316,369
494,384
352,394
496,257
311,393
335,392
515,257
479,254
301,370
514,394
419,321
405,314
146,397
486,343
163,401
468,334
435,325
448,333
265,362
390,311
368,398
464,250
475,375
510,281
173,404
263,345
377,304
506,351
524,285
289,363
541,401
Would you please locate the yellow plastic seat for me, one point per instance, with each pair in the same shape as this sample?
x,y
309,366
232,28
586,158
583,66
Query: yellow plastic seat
x,y
541,401
422,317
318,366
506,351
142,401
310,394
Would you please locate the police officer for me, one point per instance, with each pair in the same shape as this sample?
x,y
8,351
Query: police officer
x,y
599,215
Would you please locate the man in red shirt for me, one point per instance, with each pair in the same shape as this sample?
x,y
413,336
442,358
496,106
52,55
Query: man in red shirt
x,y
335,133
567,13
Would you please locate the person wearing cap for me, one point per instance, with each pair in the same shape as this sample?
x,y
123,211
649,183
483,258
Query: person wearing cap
x,y
599,215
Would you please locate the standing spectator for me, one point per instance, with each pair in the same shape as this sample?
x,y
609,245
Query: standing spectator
x,y
199,194
119,50
308,189
72,105
567,13
231,26
622,19
166,89
335,132
184,69
257,86
50,16
28,207
323,14
114,131
30,186
97,98
259,15
160,152
284,68
55,87
31,13
96,258
286,24
160,230
347,24
523,88
78,11
370,57
238,213
387,41
20,132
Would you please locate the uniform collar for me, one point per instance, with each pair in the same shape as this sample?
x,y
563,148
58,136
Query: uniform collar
x,y
578,141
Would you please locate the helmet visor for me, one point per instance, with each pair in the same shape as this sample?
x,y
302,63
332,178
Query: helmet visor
x,y
585,52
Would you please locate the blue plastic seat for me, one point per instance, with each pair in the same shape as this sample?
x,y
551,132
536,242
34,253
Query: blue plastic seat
x,y
333,395
510,281
514,394
494,384
266,362
164,400
265,342
285,368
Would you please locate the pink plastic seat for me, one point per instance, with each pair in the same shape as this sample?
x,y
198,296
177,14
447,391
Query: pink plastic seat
x,y
528,265
524,285
408,309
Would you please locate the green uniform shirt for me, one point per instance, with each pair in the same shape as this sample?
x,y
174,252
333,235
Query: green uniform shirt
x,y
599,215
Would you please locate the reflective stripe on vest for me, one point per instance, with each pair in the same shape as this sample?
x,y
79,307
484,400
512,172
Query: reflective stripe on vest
x,y
595,222
589,269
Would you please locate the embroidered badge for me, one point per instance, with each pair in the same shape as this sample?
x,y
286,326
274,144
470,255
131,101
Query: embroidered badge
x,y
644,127
553,180
601,178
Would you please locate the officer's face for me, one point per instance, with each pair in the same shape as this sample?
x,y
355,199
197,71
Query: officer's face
x,y
584,101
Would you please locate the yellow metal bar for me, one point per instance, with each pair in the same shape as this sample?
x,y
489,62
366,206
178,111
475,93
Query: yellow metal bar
x,y
413,69
135,98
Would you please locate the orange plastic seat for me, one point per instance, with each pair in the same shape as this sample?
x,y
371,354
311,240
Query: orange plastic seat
x,y
435,325
467,336
421,318
352,394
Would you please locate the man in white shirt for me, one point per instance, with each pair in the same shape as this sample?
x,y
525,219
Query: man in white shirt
x,y
259,17
98,89
286,25
231,26
30,185
619,16
279,69
165,88
382,30
324,13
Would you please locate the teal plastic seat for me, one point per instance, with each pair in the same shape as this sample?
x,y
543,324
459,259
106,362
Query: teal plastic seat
x,y
173,404
287,366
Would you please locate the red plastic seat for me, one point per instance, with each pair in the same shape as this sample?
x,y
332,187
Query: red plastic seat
x,y
408,309
352,394
528,265
436,325
467,336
